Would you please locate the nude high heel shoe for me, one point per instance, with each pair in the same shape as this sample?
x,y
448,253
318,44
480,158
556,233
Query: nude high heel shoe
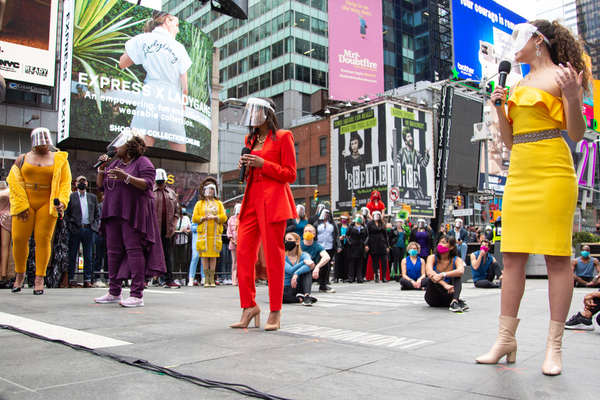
x,y
277,324
255,313
553,361
506,344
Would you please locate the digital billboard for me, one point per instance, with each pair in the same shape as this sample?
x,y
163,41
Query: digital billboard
x,y
355,49
119,70
481,29
28,40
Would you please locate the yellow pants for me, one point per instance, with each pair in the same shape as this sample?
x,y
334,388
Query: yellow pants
x,y
42,223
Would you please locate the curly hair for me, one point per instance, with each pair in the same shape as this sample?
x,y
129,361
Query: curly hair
x,y
565,47
207,181
136,147
271,118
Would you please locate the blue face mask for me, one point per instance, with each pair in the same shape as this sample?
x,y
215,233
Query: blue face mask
x,y
413,252
585,254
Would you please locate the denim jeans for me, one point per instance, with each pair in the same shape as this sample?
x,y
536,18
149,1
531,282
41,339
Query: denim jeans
x,y
195,259
85,236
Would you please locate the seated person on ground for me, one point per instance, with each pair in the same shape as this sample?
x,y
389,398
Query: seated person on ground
x,y
298,276
444,270
585,269
316,252
413,269
582,321
485,267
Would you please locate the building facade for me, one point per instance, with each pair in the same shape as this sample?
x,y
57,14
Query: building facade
x,y
564,11
588,25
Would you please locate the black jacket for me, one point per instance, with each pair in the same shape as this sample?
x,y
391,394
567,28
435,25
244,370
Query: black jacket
x,y
378,240
73,212
356,241
430,235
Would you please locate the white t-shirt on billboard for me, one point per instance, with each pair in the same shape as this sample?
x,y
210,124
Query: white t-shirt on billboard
x,y
163,57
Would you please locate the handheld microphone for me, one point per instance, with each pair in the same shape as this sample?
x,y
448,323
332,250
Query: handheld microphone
x,y
56,204
504,69
109,153
245,151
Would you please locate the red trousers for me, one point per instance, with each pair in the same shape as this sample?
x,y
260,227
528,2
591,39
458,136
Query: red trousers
x,y
253,228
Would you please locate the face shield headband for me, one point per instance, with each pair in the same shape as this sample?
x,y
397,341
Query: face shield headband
x,y
41,137
521,35
255,113
206,190
121,139
324,214
376,215
421,223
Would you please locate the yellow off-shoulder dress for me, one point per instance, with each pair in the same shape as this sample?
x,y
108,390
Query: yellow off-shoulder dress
x,y
541,189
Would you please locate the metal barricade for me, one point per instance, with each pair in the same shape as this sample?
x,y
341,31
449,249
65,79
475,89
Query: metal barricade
x,y
181,253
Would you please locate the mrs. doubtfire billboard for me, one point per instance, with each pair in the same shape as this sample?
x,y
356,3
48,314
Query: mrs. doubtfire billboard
x,y
355,49
127,66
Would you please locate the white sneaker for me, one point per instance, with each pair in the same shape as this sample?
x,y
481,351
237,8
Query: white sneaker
x,y
108,298
191,282
99,284
201,281
177,281
132,302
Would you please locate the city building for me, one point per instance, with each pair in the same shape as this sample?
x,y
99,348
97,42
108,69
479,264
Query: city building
x,y
588,25
561,10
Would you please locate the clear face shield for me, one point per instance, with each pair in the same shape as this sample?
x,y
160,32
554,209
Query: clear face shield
x,y
421,223
209,190
300,210
324,215
121,139
458,223
520,36
161,175
41,137
376,215
236,209
255,113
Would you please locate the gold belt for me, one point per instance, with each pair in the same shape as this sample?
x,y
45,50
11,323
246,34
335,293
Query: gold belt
x,y
536,136
36,186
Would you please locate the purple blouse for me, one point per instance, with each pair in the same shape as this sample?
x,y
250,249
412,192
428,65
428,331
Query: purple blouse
x,y
138,207
423,240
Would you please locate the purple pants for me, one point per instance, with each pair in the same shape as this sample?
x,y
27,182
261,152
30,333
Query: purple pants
x,y
122,239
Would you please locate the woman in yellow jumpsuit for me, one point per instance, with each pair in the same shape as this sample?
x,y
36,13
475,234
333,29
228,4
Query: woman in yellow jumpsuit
x,y
35,181
210,216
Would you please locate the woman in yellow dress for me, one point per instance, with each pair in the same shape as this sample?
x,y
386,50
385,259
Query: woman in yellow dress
x,y
210,216
541,182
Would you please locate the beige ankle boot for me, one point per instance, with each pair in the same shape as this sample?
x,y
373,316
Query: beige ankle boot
x,y
553,361
212,278
506,344
206,277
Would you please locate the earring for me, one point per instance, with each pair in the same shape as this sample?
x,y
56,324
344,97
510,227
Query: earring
x,y
538,52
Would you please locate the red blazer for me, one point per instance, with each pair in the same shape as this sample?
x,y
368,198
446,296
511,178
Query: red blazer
x,y
278,171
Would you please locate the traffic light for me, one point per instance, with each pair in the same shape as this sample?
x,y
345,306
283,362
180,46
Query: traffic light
x,y
459,201
316,195
353,202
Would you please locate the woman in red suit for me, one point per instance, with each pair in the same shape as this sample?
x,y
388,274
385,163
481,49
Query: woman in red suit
x,y
268,204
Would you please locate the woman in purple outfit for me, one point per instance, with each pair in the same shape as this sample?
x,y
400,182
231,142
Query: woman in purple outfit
x,y
423,235
129,219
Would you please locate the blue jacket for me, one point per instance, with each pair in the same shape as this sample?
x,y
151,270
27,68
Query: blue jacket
x,y
298,269
462,235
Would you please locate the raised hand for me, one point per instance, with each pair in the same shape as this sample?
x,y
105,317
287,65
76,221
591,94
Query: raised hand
x,y
569,81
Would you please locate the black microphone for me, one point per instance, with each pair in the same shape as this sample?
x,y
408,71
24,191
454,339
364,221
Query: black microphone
x,y
504,70
56,204
245,151
109,153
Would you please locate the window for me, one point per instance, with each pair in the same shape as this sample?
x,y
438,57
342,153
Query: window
x,y
204,21
214,35
407,18
302,73
231,92
242,65
389,58
242,90
265,5
232,70
288,43
243,42
323,146
302,21
408,65
318,175
265,30
304,1
232,25
223,30
265,80
319,27
288,71
320,4
300,177
422,40
233,47
253,85
319,78
297,148
320,52
303,47
277,49
265,55
254,35
223,52
222,75
254,60
278,23
288,17
277,75
408,42
253,12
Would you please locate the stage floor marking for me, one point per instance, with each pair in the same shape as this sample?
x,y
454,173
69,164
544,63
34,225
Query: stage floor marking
x,y
69,335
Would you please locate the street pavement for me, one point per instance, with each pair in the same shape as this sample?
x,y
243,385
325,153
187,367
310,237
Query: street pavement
x,y
365,341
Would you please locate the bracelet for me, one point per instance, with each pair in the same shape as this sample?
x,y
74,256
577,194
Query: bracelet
x,y
101,171
127,179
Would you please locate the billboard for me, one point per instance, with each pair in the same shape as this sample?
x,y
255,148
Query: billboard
x,y
115,75
355,49
28,40
480,31
362,153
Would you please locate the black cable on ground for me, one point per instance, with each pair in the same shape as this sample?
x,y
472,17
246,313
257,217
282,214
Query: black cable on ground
x,y
145,365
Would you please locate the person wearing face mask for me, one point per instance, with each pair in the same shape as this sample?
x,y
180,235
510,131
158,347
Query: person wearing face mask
x,y
366,213
423,235
35,180
485,267
210,216
585,269
298,276
268,203
356,237
413,270
397,238
82,217
316,252
232,234
444,269
297,224
461,235
328,236
313,219
378,246
375,203
341,257
167,213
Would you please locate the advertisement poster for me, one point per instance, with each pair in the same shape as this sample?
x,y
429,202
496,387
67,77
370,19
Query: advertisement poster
x,y
134,67
359,146
414,138
481,29
498,153
355,49
28,40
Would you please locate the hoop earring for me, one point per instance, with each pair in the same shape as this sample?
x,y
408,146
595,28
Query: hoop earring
x,y
538,52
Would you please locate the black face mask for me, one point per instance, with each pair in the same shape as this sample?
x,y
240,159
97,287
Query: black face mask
x,y
81,186
289,246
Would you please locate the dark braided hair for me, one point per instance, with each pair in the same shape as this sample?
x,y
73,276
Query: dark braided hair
x,y
136,147
271,118
565,47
